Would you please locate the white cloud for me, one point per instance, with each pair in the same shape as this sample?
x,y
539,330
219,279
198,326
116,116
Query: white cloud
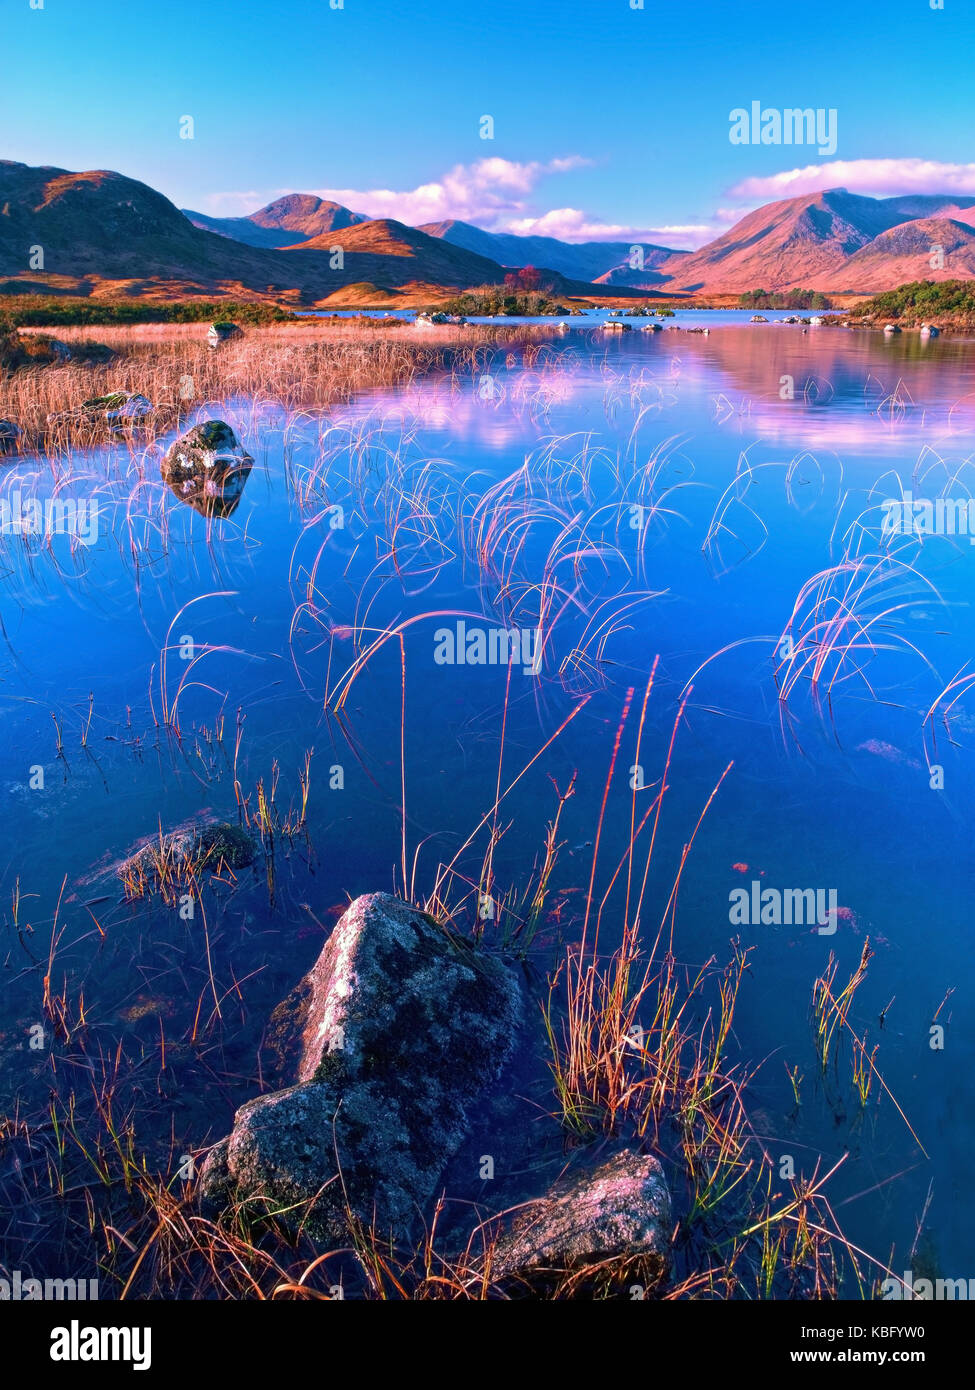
x,y
485,192
571,224
880,177
235,204
493,193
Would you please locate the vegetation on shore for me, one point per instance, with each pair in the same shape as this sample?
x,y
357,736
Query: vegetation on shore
x,y
504,301
944,302
38,311
305,363
784,299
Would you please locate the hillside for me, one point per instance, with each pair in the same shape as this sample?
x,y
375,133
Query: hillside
x,y
898,255
295,218
102,233
586,260
385,251
833,240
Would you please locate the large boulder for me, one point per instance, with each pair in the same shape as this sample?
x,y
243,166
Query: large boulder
x,y
207,468
392,1039
619,1212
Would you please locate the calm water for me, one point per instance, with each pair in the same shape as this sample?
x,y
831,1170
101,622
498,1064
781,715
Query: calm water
x,y
665,497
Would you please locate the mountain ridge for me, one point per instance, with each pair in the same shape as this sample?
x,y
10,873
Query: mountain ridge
x,y
101,232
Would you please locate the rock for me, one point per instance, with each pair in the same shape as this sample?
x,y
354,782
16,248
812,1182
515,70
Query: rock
x,y
620,1210
85,350
9,437
207,468
199,845
223,331
392,1038
118,410
758,318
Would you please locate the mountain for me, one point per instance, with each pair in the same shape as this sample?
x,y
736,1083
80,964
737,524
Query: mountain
x,y
296,218
904,252
795,242
371,248
100,232
584,260
435,259
824,241
102,225
646,279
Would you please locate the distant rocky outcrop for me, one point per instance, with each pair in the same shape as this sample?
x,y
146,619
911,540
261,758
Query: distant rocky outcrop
x,y
390,1040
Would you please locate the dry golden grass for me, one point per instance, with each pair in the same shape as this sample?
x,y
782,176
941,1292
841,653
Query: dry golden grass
x,y
305,365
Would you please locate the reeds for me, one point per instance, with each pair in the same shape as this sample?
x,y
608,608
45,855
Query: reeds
x,y
298,366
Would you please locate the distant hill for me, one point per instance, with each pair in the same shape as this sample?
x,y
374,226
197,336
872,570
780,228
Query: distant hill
x,y
903,253
103,233
100,226
370,248
585,260
833,240
295,218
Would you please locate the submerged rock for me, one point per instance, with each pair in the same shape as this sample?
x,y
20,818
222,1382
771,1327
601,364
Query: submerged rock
x,y
9,437
223,331
207,468
197,846
392,1038
620,1210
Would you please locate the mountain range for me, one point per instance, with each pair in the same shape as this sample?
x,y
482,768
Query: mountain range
x,y
102,233
835,241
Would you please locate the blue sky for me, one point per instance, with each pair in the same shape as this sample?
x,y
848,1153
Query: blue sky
x,y
608,121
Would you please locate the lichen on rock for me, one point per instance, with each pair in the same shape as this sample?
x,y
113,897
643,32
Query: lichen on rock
x,y
618,1212
207,468
391,1037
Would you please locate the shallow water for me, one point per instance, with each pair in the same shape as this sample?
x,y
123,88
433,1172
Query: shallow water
x,y
677,492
